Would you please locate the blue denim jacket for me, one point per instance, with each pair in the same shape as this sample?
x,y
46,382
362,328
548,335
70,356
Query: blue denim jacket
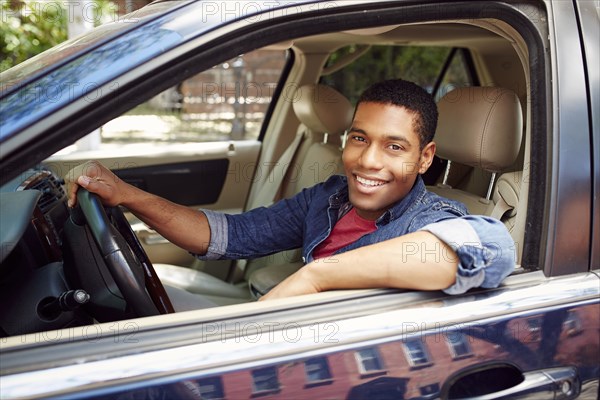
x,y
485,248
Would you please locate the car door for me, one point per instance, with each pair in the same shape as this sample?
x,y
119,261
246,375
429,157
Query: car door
x,y
534,337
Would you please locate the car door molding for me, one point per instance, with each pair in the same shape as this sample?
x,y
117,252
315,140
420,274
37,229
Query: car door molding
x,y
270,339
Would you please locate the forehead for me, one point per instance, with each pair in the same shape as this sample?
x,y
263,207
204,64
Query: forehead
x,y
378,119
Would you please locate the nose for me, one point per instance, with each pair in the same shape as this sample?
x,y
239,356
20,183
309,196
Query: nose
x,y
370,158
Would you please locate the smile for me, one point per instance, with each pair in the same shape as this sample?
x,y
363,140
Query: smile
x,y
369,182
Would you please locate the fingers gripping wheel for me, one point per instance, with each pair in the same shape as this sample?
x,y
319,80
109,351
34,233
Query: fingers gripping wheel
x,y
124,257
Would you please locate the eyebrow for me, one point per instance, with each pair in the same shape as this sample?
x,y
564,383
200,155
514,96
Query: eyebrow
x,y
386,137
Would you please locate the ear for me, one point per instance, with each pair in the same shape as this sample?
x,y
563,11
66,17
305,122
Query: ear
x,y
426,157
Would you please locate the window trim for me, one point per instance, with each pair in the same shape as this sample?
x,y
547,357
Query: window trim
x,y
409,354
259,392
316,382
463,342
360,362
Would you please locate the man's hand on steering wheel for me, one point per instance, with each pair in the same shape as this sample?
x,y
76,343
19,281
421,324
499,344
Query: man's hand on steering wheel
x,y
97,179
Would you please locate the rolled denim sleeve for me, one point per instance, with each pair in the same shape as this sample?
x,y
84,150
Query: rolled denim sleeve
x,y
218,235
258,232
484,247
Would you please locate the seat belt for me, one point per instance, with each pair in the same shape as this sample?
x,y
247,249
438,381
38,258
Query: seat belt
x,y
270,188
505,192
268,192
501,208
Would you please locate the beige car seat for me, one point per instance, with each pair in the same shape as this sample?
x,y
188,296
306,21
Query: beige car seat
x,y
324,115
482,127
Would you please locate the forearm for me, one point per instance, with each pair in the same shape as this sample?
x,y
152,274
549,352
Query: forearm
x,y
415,261
182,226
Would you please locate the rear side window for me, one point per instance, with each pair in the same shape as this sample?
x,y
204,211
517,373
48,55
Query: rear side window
x,y
437,69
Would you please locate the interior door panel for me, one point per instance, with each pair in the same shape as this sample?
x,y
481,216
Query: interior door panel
x,y
189,183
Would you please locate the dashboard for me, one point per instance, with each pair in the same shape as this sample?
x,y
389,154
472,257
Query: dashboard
x,y
33,212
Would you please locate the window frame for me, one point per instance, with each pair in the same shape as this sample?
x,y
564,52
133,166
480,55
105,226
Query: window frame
x,y
409,353
464,342
323,366
272,370
361,359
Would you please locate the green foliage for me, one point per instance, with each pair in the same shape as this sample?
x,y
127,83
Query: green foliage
x,y
28,28
421,65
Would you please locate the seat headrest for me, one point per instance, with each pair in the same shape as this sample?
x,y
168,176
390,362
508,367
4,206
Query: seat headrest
x,y
323,109
480,127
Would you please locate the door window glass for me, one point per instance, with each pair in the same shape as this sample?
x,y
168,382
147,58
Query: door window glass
x,y
226,102
455,75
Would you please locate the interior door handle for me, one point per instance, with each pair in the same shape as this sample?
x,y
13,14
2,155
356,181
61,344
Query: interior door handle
x,y
552,383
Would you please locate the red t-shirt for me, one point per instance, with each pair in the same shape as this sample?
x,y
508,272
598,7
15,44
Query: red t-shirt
x,y
348,229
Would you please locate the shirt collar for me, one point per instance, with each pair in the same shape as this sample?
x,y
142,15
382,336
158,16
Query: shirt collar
x,y
412,199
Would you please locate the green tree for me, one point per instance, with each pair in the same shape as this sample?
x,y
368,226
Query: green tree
x,y
421,65
27,28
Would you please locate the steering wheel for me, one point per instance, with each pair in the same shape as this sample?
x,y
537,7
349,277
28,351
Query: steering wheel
x,y
124,256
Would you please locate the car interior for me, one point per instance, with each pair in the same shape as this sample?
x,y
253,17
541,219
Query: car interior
x,y
483,150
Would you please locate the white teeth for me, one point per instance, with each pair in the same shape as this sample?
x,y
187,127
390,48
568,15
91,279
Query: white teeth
x,y
368,182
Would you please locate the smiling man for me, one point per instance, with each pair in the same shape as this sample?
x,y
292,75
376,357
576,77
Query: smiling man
x,y
375,227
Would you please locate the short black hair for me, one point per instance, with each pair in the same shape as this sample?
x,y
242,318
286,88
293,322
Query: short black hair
x,y
411,96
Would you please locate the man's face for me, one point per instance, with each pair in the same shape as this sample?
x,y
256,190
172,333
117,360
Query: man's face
x,y
382,157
